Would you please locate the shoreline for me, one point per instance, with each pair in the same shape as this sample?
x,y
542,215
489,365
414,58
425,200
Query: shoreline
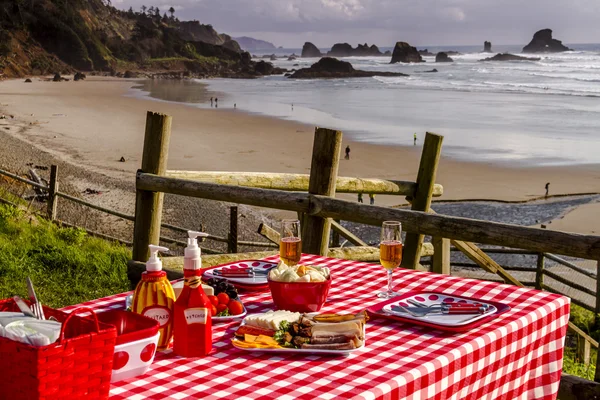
x,y
95,131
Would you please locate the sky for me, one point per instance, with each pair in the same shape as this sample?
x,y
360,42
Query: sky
x,y
290,23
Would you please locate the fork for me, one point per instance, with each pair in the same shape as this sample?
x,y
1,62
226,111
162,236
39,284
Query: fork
x,y
36,306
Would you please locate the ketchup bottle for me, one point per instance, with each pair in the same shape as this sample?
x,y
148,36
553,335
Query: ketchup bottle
x,y
193,323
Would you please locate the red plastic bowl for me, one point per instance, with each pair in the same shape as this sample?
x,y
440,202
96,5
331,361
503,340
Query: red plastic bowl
x,y
130,326
299,296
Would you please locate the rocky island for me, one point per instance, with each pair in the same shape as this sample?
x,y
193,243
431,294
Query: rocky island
x,y
510,57
328,67
543,42
487,47
405,53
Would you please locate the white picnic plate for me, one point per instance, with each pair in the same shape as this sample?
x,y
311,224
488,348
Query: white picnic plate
x,y
255,280
305,351
449,320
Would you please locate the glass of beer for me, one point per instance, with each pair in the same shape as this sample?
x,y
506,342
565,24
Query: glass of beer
x,y
390,253
290,244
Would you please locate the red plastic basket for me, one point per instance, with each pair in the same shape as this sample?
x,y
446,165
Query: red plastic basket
x,y
78,365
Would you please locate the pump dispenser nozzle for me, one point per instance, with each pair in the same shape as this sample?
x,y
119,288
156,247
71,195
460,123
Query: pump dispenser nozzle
x,y
192,258
154,263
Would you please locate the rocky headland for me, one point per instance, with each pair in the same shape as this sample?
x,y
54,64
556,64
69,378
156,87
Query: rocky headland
x,y
405,53
46,37
346,50
309,50
543,42
510,57
328,67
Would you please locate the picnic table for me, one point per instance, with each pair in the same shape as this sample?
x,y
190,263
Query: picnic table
x,y
517,355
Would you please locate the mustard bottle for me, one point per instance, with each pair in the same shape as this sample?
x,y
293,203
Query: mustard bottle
x,y
154,297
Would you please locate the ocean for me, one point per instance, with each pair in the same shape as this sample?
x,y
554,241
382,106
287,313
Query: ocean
x,y
533,113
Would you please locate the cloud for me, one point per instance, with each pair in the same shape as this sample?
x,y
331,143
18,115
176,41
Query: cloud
x,y
453,14
291,22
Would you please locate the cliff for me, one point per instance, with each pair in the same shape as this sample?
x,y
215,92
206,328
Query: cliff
x,y
49,36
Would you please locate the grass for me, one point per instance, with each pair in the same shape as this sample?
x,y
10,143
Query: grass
x,y
65,264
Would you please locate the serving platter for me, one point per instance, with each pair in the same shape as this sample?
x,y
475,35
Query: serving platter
x,y
302,351
449,322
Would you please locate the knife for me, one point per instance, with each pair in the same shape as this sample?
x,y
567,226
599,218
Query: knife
x,y
23,307
444,311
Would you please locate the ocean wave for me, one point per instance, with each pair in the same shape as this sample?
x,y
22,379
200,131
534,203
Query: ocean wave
x,y
578,79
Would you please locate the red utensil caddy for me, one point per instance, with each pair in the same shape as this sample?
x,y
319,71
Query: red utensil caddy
x,y
78,365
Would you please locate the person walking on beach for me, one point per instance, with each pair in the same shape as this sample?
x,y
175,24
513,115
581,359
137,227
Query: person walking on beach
x,y
547,188
371,199
234,105
211,101
360,197
415,139
216,102
347,152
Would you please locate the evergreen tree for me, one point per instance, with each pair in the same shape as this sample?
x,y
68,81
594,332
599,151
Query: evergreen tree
x,y
144,8
172,12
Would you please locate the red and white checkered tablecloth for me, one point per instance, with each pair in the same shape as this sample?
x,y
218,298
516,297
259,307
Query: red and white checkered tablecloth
x,y
515,356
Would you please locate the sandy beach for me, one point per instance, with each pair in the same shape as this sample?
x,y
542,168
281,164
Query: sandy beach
x,y
92,124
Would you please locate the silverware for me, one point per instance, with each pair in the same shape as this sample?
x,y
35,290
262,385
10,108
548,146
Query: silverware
x,y
23,307
446,305
421,312
37,307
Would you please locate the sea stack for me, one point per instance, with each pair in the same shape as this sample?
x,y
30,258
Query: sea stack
x,y
542,42
405,53
487,47
442,57
310,50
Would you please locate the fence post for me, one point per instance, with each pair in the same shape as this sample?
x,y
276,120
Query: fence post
x,y
335,236
421,201
597,319
232,240
323,175
539,272
148,205
52,189
441,255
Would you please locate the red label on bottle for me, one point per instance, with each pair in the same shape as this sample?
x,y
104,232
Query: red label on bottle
x,y
160,314
195,315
